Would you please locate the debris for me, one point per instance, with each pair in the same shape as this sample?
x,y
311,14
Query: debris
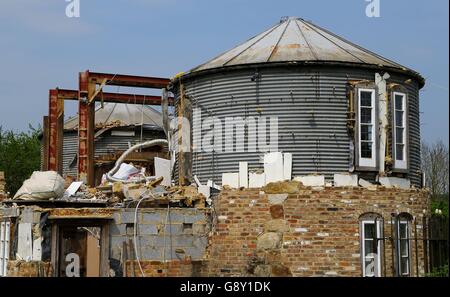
x,y
289,187
162,168
311,180
257,180
273,167
243,174
126,171
72,189
287,166
42,185
395,182
230,179
345,180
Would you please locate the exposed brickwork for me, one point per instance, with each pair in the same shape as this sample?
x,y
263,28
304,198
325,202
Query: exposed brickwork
x,y
314,232
18,268
177,268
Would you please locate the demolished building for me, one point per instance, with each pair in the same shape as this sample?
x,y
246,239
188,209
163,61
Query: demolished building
x,y
339,193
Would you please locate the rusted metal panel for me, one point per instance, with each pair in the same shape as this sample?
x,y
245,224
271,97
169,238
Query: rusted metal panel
x,y
55,124
45,143
115,97
86,131
130,80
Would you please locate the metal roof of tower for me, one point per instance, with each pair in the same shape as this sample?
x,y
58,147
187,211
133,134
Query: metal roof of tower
x,y
294,39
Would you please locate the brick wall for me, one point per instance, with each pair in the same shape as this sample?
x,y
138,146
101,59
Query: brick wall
x,y
17,268
309,232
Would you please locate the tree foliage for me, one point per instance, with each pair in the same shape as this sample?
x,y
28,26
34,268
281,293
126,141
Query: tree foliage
x,y
435,165
436,168
19,156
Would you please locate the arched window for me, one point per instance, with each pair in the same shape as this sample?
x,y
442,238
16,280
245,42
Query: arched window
x,y
402,244
371,235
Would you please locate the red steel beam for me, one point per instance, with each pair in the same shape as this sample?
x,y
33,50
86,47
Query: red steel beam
x,y
115,97
55,132
86,130
129,80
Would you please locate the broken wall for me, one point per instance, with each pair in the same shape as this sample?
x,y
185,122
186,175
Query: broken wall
x,y
304,232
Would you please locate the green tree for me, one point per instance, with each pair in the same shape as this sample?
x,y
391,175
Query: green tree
x,y
20,155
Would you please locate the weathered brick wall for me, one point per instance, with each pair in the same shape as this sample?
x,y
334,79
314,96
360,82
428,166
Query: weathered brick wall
x,y
310,232
17,268
176,268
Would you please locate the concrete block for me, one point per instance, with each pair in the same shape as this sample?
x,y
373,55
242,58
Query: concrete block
x,y
147,229
200,242
194,218
152,217
365,184
174,229
273,167
287,166
205,190
117,229
230,179
277,198
162,168
151,253
195,253
345,180
311,180
11,212
181,241
257,180
395,182
128,217
243,174
199,229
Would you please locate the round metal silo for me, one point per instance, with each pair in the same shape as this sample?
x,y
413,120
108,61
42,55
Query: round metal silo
x,y
299,73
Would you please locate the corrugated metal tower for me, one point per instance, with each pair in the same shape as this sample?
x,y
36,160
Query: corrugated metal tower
x,y
310,79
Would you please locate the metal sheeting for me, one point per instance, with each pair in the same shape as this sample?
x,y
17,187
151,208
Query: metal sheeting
x,y
126,114
294,39
311,105
104,144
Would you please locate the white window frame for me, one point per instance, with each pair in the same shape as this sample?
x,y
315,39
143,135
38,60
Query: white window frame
x,y
363,247
367,162
408,250
399,164
5,229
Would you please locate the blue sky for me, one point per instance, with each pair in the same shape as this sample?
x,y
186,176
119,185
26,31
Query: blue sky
x,y
40,48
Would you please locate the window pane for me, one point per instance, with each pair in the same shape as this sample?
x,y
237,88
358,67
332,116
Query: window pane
x,y
403,230
366,98
399,152
399,135
369,267
369,248
404,266
399,118
366,149
399,102
366,132
366,115
404,248
369,230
